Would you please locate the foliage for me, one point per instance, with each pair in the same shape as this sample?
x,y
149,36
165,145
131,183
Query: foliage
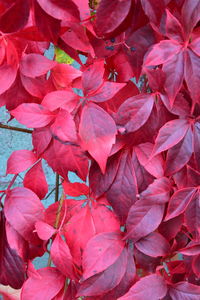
x,y
136,233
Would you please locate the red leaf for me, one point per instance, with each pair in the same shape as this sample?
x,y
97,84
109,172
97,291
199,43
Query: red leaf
x,y
35,180
154,165
64,128
154,10
110,15
107,280
41,139
161,53
44,230
184,290
97,131
179,202
66,99
46,286
63,158
179,155
22,210
33,115
75,189
34,86
153,245
195,265
152,286
63,75
190,15
96,219
106,91
192,217
158,192
47,25
100,183
191,249
192,68
92,77
174,28
101,252
126,282
61,257
19,161
143,218
34,65
11,264
170,134
7,74
174,80
135,111
122,192
59,10
11,20
195,46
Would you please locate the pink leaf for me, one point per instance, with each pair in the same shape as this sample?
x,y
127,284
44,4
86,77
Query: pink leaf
x,y
170,134
152,286
11,264
20,160
66,99
35,180
64,74
143,218
47,286
101,252
63,158
192,70
161,53
106,91
64,127
61,257
75,189
8,74
179,155
34,65
33,115
97,131
174,80
158,192
184,290
155,165
153,245
59,10
44,230
135,111
111,14
179,202
92,77
106,280
22,210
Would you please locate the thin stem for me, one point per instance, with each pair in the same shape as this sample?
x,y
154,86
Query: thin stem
x,y
58,214
57,188
15,128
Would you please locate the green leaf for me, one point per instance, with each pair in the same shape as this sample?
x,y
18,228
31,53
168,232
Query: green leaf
x,y
63,57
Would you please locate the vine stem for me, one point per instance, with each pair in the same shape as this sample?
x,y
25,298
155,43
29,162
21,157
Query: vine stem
x,y
16,128
58,214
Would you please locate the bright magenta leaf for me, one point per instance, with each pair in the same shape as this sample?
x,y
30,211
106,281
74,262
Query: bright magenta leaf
x,y
20,160
33,115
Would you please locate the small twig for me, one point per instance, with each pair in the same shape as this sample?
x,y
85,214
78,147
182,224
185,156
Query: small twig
x,y
15,128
